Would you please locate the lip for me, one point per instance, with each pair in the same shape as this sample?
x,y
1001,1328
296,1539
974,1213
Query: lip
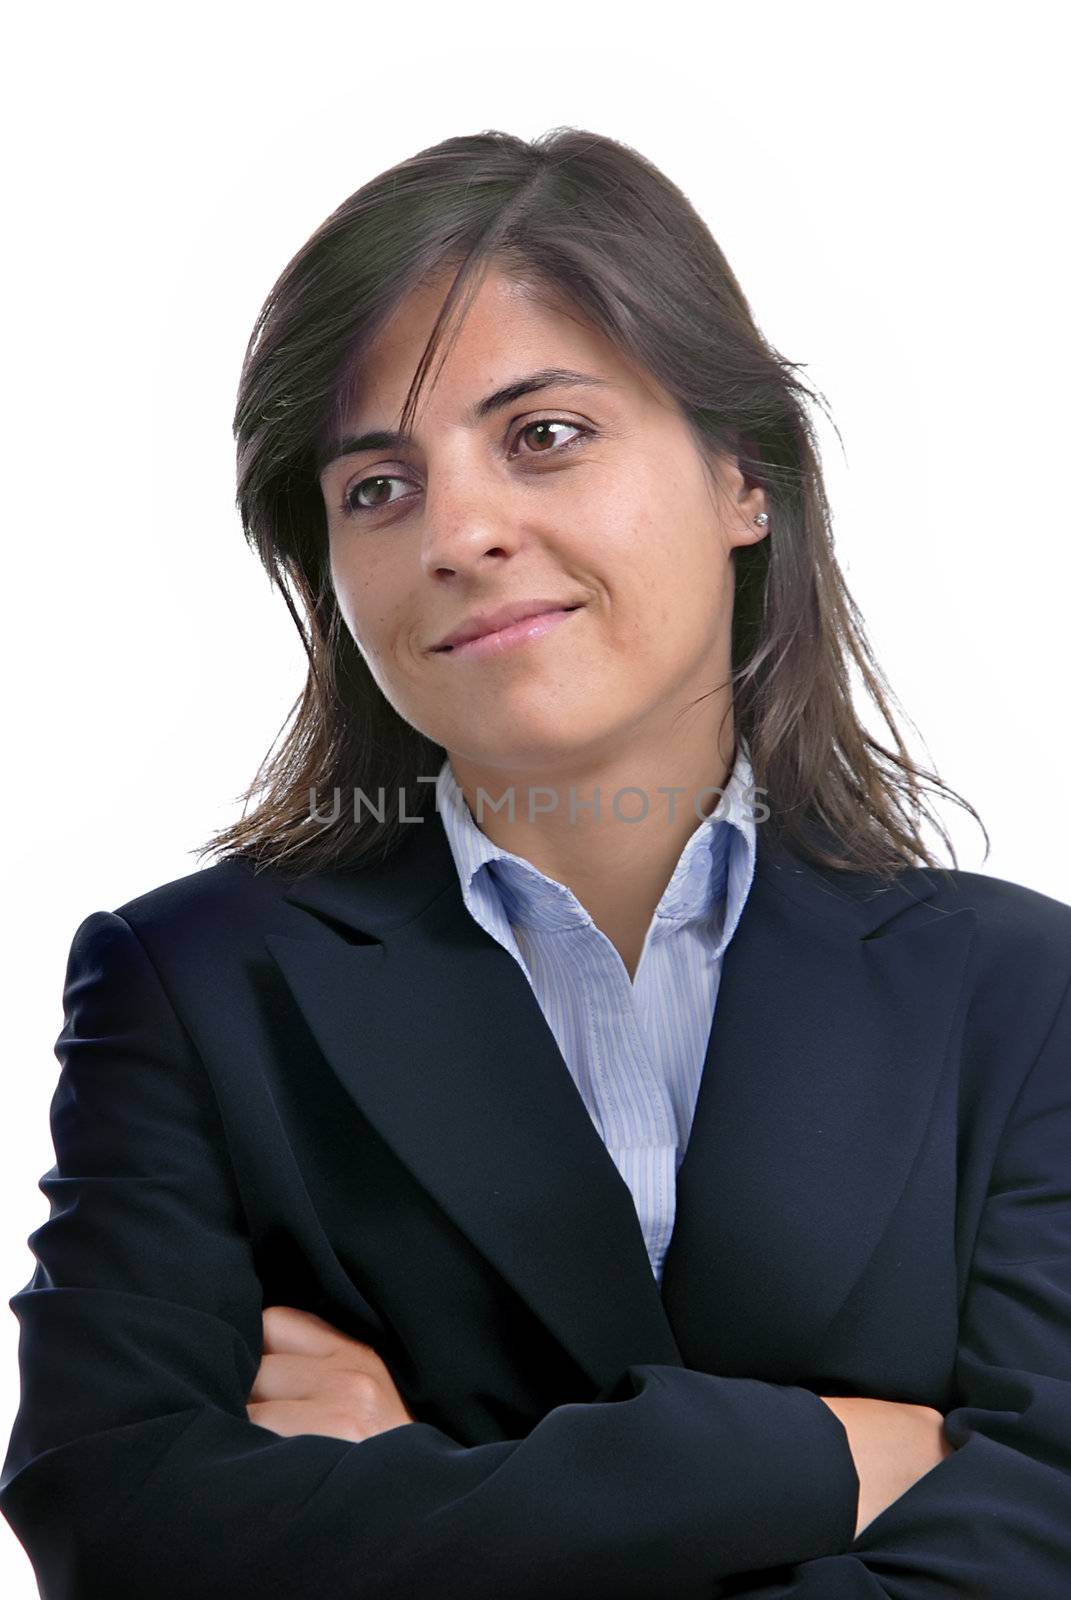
x,y
515,633
487,623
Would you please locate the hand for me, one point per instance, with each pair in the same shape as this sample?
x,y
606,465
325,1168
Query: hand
x,y
314,1379
893,1445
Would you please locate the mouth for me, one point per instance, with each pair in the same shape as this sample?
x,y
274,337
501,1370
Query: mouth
x,y
493,643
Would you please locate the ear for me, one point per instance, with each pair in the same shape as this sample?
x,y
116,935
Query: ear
x,y
744,503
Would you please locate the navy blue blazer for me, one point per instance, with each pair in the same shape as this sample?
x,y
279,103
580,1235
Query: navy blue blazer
x,y
341,1094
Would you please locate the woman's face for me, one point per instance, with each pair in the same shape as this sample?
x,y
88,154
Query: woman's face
x,y
587,494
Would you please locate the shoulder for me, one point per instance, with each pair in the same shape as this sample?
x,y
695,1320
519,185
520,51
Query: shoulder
x,y
1009,915
221,902
232,879
1020,952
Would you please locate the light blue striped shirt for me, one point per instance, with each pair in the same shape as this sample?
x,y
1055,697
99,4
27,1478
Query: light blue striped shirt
x,y
635,1049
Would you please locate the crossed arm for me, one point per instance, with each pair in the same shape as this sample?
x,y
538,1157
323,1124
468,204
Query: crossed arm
x,y
139,1428
313,1378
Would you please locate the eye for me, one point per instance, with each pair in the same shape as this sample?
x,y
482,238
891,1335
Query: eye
x,y
550,422
352,505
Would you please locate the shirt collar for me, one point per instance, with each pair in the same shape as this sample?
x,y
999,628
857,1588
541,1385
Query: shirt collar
x,y
711,878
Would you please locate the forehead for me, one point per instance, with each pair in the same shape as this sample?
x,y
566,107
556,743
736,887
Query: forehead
x,y
510,327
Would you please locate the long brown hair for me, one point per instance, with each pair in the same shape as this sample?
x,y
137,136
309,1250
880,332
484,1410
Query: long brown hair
x,y
587,218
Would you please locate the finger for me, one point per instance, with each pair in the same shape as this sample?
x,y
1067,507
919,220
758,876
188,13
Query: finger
x,y
284,1377
290,1329
288,1418
296,1377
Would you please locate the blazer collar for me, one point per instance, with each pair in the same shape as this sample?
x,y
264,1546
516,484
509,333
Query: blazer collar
x,y
835,1006
378,897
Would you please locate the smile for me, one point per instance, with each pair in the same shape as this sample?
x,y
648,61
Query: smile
x,y
493,644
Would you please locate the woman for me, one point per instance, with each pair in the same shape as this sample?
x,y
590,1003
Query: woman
x,y
576,1139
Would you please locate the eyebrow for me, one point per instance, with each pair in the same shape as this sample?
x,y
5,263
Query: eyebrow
x,y
389,439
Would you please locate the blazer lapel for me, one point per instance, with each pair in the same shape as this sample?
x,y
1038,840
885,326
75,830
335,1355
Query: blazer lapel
x,y
833,1013
436,1034
831,1030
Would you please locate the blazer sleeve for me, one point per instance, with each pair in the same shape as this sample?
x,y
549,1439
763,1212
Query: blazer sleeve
x,y
992,1520
133,1468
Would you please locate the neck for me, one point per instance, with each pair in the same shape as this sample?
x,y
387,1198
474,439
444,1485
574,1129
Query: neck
x,y
617,868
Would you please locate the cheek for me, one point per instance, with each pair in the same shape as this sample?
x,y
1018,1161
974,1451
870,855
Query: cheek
x,y
671,592
382,631
650,574
359,602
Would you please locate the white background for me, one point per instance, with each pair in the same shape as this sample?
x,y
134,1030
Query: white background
x,y
887,183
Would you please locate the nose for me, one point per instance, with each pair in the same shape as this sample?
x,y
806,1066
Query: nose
x,y
469,518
